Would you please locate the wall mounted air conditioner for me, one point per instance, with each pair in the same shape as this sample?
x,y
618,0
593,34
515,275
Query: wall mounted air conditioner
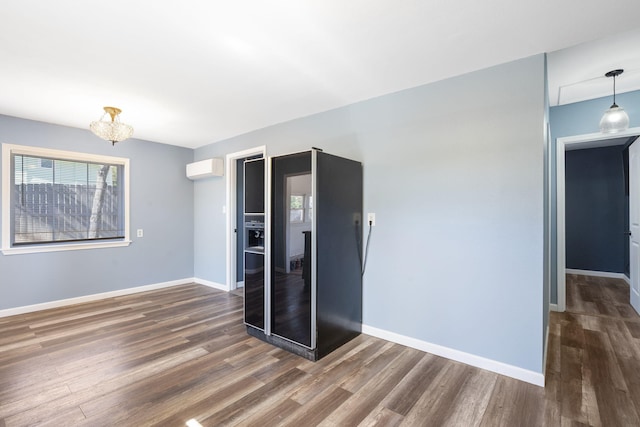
x,y
205,168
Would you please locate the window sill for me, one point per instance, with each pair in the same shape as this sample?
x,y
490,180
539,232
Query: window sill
x,y
64,247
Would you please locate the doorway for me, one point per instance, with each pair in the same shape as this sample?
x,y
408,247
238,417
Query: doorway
x,y
233,209
562,144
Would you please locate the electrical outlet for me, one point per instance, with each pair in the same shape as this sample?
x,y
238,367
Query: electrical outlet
x,y
371,219
140,232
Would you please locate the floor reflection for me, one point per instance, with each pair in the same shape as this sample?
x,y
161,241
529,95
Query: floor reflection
x,y
292,307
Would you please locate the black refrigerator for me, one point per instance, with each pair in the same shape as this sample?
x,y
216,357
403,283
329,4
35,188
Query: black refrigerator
x,y
311,300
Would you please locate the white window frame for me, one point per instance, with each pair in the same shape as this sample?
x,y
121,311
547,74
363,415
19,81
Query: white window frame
x,y
308,210
8,150
304,201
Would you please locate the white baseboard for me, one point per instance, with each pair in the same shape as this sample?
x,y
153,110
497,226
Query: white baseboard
x,y
597,274
211,284
93,297
536,378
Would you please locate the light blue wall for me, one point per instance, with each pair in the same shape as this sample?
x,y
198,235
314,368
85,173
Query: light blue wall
x,y
578,119
454,171
161,204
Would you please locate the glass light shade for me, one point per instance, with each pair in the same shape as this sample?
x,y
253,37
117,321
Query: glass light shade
x,y
615,119
114,130
111,131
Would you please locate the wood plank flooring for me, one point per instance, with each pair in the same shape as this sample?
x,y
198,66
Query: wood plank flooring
x,y
164,357
593,364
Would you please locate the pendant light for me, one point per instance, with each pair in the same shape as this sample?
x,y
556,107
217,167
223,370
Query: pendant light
x,y
615,119
114,130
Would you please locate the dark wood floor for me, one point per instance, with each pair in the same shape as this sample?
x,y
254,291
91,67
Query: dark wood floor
x,y
168,356
593,365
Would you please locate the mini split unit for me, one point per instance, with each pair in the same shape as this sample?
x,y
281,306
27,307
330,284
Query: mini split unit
x,y
205,168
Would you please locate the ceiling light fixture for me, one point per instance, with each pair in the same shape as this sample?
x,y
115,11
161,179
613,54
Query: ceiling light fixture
x,y
615,119
114,130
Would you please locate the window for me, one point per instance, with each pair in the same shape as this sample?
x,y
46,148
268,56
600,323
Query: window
x,y
58,200
296,209
309,213
300,208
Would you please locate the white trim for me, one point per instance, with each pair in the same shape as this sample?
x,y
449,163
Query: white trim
x,y
553,307
64,247
230,185
561,246
562,144
535,378
210,284
61,154
93,297
597,273
8,150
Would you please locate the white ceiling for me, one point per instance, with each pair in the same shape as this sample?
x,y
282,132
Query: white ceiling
x,y
199,71
577,73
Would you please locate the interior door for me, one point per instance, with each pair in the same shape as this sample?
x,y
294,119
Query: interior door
x,y
634,223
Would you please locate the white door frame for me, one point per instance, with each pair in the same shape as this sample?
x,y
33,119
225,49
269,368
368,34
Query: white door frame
x,y
591,140
231,184
634,233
